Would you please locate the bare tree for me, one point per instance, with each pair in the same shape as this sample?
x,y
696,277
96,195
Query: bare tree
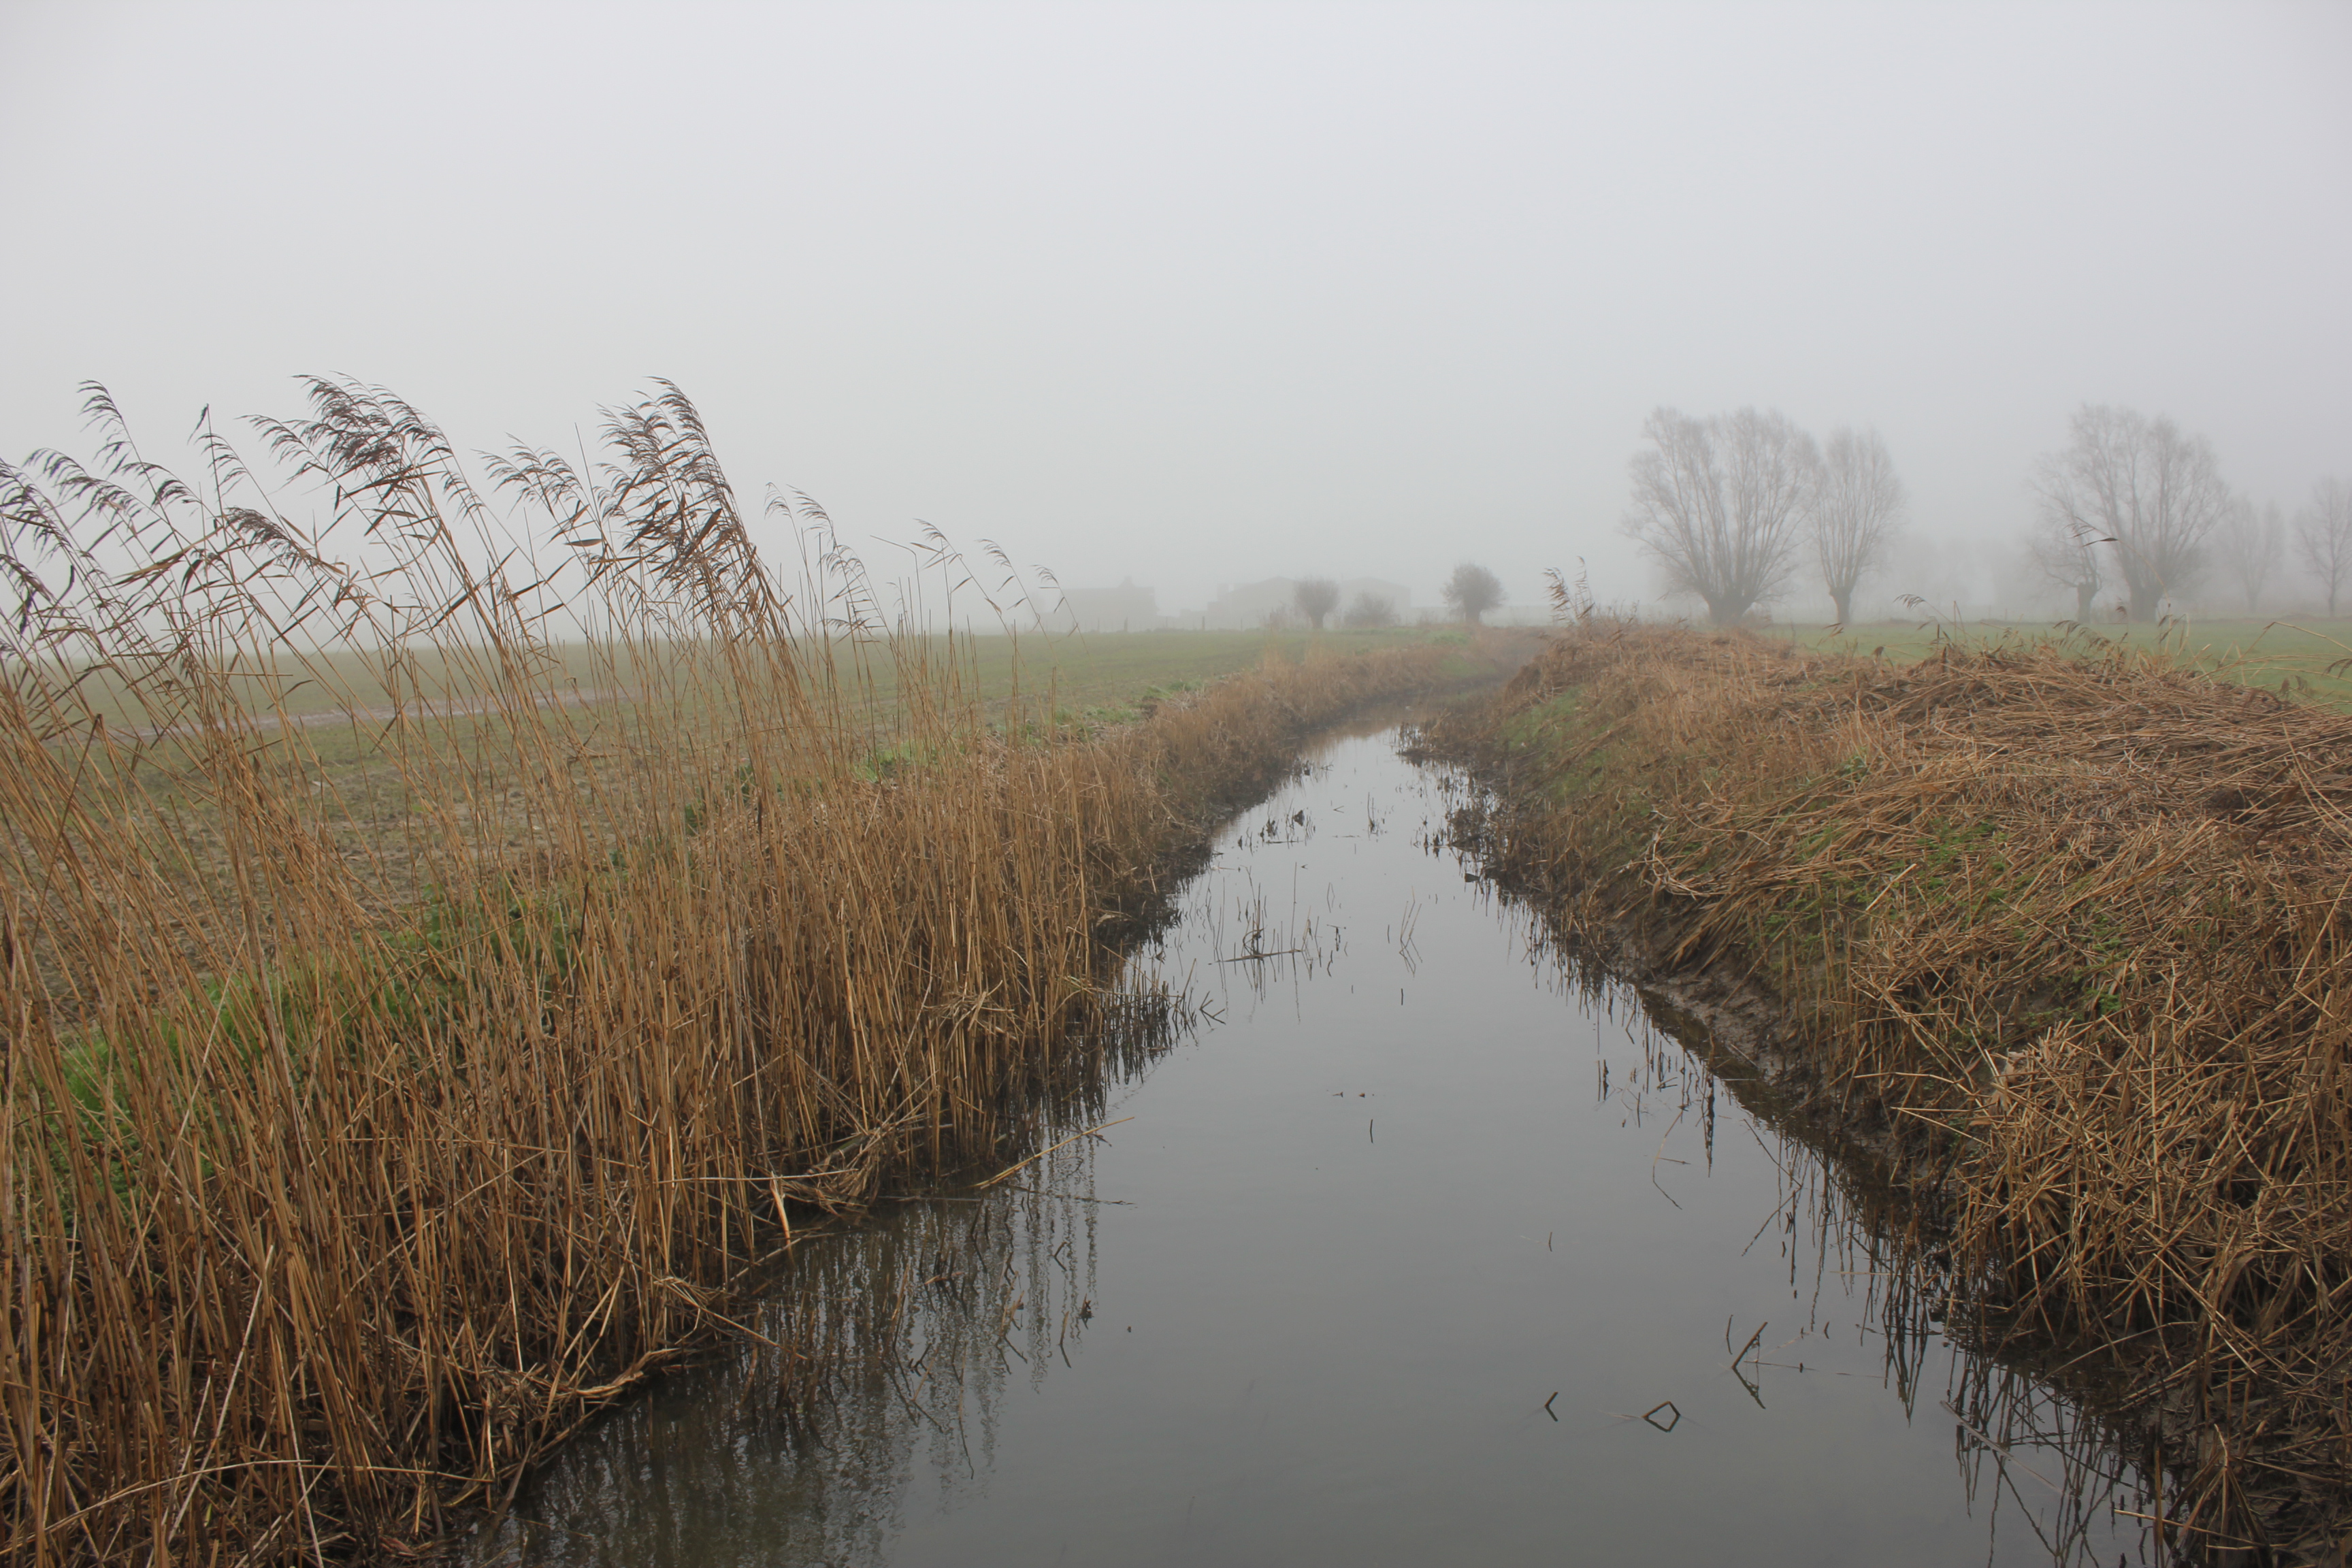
x,y
1316,598
1471,592
1856,504
2323,537
2139,487
1721,504
2248,547
2068,556
1369,609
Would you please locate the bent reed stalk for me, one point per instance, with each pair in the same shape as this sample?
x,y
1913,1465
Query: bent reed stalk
x,y
2066,924
431,985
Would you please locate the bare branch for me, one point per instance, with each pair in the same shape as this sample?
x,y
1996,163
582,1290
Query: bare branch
x,y
1720,504
1857,505
2323,537
2249,548
2142,492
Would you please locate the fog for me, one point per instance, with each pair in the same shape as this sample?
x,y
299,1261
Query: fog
x,y
1190,294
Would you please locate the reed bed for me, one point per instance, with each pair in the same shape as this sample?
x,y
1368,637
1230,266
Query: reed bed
x,y
384,1094
2061,926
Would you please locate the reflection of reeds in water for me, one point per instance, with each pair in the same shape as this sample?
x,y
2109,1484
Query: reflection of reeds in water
x,y
2065,921
885,1350
2037,1450
2044,1440
926,1318
386,1089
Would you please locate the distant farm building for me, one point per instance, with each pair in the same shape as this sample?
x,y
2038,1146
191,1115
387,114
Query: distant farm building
x,y
1126,608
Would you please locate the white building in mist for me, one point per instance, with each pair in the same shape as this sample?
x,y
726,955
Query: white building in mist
x,y
1126,608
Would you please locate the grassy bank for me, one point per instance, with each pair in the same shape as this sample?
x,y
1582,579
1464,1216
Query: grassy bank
x,y
2309,654
2061,931
368,1124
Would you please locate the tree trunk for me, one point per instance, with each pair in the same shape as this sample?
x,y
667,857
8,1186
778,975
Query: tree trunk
x,y
2146,599
1844,598
2085,592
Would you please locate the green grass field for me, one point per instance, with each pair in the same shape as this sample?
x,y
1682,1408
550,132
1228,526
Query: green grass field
x,y
2251,652
386,789
1101,671
329,717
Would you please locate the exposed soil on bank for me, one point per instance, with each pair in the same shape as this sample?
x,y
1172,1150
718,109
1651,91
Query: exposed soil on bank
x,y
2055,934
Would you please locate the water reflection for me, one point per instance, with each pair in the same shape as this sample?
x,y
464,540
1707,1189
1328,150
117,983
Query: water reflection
x,y
908,1332
1427,1245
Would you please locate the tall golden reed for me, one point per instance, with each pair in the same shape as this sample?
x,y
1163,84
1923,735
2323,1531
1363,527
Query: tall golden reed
x,y
431,983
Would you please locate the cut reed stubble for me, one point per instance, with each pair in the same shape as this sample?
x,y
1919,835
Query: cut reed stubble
x,y
2066,921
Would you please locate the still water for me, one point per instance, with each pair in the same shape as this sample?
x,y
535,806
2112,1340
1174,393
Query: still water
x,y
1416,1247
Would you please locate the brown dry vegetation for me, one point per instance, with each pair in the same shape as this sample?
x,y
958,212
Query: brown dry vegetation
x,y
355,1150
2068,926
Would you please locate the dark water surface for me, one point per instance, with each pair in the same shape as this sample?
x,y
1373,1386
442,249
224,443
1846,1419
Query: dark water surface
x,y
1385,1264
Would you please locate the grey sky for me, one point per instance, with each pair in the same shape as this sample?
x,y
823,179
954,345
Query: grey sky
x,y
1193,292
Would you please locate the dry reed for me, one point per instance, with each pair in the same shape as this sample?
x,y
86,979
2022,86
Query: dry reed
x,y
384,1094
2067,925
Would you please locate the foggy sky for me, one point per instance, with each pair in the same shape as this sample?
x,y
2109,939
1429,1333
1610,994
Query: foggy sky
x,y
1190,292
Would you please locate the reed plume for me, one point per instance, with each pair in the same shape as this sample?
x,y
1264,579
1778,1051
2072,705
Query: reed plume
x,y
434,980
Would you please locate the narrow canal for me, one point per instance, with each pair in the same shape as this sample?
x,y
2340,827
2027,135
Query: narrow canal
x,y
1414,1248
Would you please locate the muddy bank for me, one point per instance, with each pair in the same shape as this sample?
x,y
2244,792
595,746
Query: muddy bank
x,y
2053,937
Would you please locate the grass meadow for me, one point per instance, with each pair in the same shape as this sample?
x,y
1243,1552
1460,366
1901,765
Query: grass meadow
x,y
2313,656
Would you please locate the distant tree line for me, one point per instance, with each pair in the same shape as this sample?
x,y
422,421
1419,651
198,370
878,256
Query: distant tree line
x,y
1734,507
1470,593
2138,506
1316,599
1731,506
